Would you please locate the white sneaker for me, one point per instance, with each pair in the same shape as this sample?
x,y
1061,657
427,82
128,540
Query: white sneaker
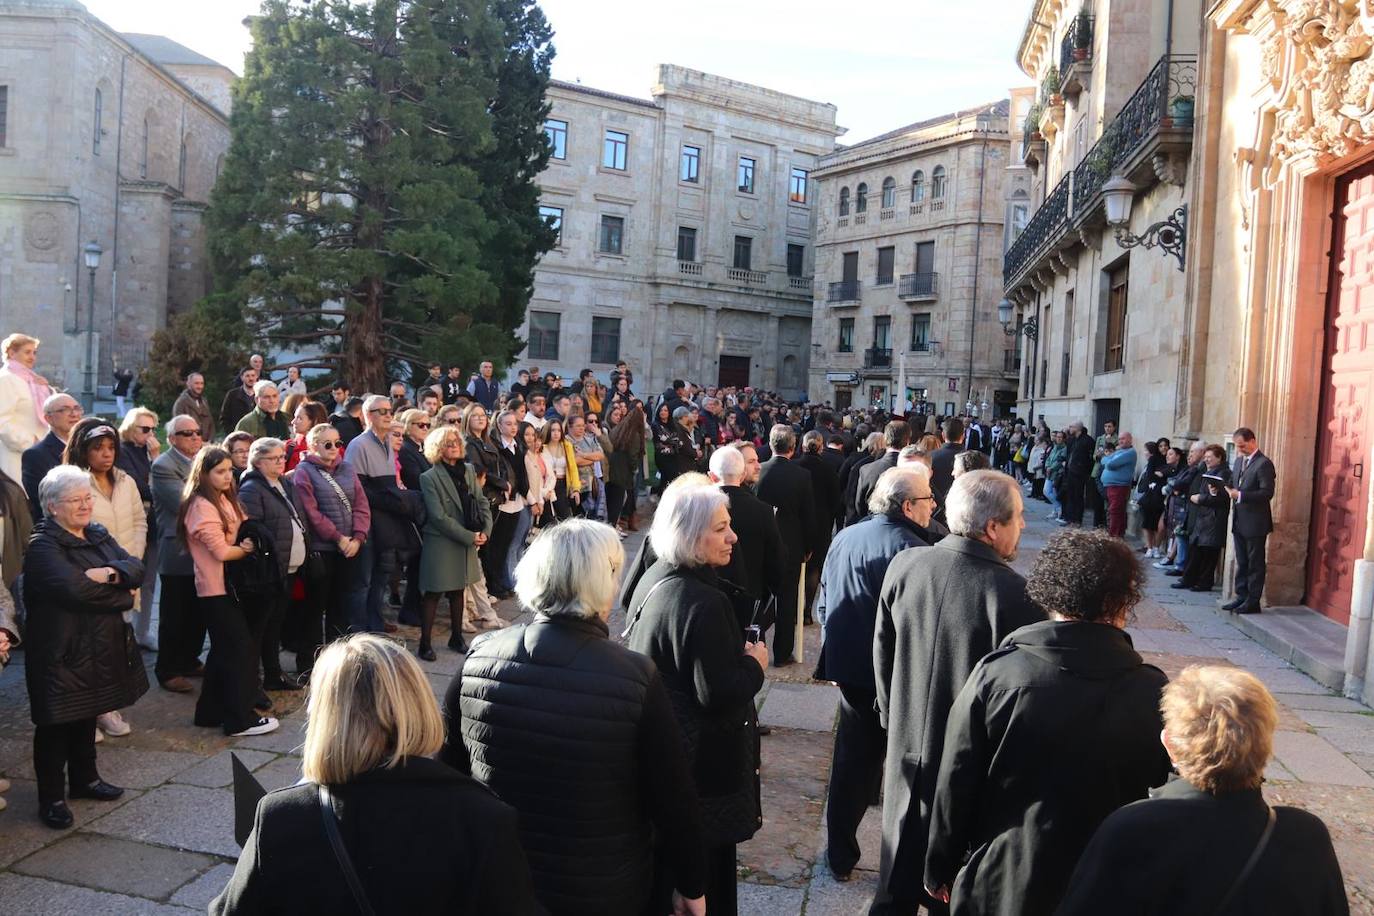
x,y
1163,564
113,724
265,725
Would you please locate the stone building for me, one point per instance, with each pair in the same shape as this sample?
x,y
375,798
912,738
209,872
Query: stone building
x,y
110,138
686,233
908,254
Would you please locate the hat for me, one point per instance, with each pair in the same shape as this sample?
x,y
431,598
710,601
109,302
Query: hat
x,y
681,412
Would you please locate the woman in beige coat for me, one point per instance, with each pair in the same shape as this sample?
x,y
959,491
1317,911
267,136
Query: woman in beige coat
x,y
22,393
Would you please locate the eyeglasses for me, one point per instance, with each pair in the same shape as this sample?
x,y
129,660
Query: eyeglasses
x,y
70,408
454,421
273,458
87,500
330,446
914,499
383,411
188,433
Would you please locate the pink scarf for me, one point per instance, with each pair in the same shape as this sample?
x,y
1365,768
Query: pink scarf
x,y
38,387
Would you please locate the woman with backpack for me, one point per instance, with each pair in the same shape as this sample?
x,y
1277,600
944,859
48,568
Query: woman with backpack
x,y
208,525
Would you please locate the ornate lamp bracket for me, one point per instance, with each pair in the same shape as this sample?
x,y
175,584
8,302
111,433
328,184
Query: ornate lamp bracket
x,y
1170,235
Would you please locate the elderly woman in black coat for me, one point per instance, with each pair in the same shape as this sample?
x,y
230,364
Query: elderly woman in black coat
x,y
1207,842
1208,508
680,617
80,656
1052,732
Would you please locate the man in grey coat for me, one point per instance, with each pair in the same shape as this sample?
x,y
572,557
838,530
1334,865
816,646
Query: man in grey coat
x,y
940,611
180,626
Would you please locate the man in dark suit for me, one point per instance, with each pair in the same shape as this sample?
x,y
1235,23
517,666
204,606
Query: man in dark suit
x,y
62,413
787,488
1078,466
898,435
825,488
756,562
181,619
1253,474
942,462
834,457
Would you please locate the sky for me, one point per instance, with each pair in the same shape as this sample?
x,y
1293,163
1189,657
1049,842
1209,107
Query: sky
x,y
883,63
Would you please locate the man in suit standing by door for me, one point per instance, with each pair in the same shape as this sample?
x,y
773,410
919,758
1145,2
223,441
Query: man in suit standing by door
x,y
1253,474
786,486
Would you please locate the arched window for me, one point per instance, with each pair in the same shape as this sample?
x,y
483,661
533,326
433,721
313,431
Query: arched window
x,y
918,186
861,198
889,192
844,201
937,182
99,129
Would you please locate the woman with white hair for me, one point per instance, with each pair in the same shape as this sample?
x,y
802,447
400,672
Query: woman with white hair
x,y
388,809
22,393
682,619
560,690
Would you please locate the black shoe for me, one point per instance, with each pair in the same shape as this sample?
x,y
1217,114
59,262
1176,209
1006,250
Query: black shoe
x,y
1200,588
100,790
765,730
1249,609
1234,604
457,644
1179,585
263,702
426,652
279,683
57,815
1174,573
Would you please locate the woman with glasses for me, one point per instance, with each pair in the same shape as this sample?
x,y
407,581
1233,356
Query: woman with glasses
x,y
416,425
449,415
339,519
237,445
138,449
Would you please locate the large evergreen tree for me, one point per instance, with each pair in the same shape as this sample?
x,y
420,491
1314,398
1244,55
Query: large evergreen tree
x,y
378,205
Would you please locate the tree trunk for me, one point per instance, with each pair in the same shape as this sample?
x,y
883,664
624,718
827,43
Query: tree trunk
x,y
364,355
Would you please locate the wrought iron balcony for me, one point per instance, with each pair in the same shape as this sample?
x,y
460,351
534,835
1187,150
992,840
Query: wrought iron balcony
x,y
1045,228
843,291
878,358
912,287
1032,142
1076,54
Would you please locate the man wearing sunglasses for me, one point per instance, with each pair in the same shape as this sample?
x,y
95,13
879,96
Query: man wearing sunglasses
x,y
180,624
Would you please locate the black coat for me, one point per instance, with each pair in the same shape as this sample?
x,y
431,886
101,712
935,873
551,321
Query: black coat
x,y
1079,461
868,479
1178,852
829,501
786,486
560,690
36,461
835,458
349,428
413,464
942,471
262,502
80,657
1057,691
849,482
1256,486
688,628
1206,525
756,561
483,457
423,838
941,610
237,404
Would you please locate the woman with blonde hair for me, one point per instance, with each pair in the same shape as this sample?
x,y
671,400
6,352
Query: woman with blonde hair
x,y
22,393
1208,842
375,806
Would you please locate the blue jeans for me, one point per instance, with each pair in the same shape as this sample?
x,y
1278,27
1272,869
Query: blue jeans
x,y
523,522
1181,554
370,569
1052,494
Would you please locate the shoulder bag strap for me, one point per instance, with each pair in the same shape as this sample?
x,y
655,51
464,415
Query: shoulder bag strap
x,y
1251,862
338,490
331,830
639,611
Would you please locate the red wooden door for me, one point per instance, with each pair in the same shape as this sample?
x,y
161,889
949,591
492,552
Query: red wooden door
x,y
1343,445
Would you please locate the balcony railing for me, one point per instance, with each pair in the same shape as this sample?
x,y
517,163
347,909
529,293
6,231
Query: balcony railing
x,y
1044,228
799,284
691,268
843,291
746,277
878,358
918,286
1075,53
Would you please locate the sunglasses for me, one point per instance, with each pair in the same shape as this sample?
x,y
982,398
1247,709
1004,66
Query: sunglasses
x,y
145,429
330,446
421,425
187,433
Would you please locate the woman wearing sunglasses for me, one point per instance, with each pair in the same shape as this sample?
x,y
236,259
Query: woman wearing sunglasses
x,y
138,449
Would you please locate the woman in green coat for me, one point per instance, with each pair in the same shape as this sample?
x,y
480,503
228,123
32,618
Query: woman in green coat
x,y
458,522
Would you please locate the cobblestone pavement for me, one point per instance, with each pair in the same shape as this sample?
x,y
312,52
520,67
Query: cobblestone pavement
x,y
167,846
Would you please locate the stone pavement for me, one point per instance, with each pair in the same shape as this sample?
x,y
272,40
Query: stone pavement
x,y
167,846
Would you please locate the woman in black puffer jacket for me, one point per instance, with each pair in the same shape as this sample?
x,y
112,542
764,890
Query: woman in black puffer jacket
x,y
80,656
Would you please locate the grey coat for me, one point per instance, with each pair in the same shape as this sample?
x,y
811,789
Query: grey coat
x,y
940,611
169,474
448,559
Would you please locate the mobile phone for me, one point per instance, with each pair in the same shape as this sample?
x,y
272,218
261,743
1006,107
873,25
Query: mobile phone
x,y
752,633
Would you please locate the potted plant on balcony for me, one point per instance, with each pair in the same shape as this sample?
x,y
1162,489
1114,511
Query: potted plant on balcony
x,y
1033,115
1181,110
1049,88
1082,36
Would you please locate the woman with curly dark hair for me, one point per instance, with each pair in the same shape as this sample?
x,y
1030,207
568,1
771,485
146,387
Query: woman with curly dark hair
x,y
1053,732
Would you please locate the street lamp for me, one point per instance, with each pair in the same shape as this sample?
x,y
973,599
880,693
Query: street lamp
x,y
1169,235
91,252
1030,327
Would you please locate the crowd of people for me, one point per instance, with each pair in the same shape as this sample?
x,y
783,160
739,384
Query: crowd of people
x,y
1024,754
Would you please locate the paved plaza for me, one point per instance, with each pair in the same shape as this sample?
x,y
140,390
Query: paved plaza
x,y
167,846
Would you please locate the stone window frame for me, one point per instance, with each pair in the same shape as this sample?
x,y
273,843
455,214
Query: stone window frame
x,y
939,179
889,192
1115,311
800,248
752,173
696,234
98,119
845,344
918,186
878,278
799,186
4,117
695,160
920,332
747,248
619,151
544,351
861,198
550,135
557,224
844,201
601,227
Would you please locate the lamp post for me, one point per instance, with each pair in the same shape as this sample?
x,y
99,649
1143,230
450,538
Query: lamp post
x,y
1030,329
91,252
1169,234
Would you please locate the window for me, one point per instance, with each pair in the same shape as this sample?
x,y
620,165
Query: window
x,y
142,153
746,175
937,182
613,150
557,134
920,332
850,267
744,252
882,333
554,217
1115,355
1019,216
846,335
889,192
691,164
99,113
1044,373
797,188
861,198
1068,345
796,259
686,243
605,340
4,115
612,234
925,258
844,201
918,186
886,258
543,335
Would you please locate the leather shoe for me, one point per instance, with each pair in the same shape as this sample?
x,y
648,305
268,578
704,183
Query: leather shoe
x,y
1234,604
426,652
1249,609
178,685
100,790
57,815
1179,585
457,644
1174,573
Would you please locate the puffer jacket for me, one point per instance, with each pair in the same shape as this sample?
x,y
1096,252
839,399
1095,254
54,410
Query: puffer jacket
x,y
122,514
262,502
328,518
81,659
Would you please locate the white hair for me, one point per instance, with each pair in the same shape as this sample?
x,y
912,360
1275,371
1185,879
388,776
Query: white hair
x,y
261,447
60,481
171,426
681,521
571,570
262,386
728,465
53,401
979,497
895,486
373,400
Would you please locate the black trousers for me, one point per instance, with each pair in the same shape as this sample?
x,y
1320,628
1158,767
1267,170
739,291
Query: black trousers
x,y
1201,569
180,628
722,897
785,632
1097,503
1250,567
66,749
562,502
615,502
267,629
1071,497
856,773
325,609
494,552
231,669
410,599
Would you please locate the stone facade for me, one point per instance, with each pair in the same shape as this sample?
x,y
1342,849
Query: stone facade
x,y
716,313
908,254
135,181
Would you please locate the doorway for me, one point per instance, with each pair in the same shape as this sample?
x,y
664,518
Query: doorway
x,y
734,371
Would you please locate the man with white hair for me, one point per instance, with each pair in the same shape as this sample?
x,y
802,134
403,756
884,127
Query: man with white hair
x,y
266,419
755,566
786,486
901,506
180,619
939,612
62,411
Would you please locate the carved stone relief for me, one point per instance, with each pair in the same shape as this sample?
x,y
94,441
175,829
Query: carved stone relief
x,y
42,233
